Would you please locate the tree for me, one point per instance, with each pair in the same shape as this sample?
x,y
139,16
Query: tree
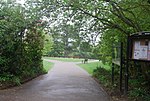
x,y
21,42
48,44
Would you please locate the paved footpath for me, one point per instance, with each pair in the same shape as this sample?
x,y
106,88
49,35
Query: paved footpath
x,y
64,82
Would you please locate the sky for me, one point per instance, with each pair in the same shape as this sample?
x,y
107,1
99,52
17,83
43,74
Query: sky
x,y
21,1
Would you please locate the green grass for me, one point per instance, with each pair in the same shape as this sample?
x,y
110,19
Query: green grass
x,y
64,59
89,67
47,65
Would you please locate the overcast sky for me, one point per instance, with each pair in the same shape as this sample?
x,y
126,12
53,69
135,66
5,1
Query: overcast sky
x,y
20,1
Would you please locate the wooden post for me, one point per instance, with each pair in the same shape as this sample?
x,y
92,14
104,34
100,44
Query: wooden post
x,y
112,74
121,64
112,71
126,67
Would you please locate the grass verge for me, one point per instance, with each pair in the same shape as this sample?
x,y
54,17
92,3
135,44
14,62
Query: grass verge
x,y
64,59
102,74
90,67
47,65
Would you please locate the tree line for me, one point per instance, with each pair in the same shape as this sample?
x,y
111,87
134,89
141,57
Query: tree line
x,y
73,28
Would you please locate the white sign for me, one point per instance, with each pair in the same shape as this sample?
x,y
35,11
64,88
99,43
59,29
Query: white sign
x,y
148,55
143,52
136,54
149,45
137,45
137,50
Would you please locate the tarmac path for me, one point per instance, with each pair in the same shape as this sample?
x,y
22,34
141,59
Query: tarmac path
x,y
64,82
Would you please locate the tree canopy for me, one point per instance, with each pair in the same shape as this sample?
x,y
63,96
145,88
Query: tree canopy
x,y
65,28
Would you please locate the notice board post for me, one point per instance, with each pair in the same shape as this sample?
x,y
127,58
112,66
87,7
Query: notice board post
x,y
127,65
138,50
139,47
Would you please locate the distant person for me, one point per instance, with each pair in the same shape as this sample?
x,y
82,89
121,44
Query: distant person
x,y
85,60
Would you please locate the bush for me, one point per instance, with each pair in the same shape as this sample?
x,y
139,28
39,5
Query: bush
x,y
21,48
103,75
139,94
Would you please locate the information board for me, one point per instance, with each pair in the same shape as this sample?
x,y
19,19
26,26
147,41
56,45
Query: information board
x,y
141,50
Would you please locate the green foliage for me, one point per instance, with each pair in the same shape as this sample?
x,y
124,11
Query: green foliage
x,y
21,44
114,20
64,59
65,38
139,89
74,26
47,44
47,65
110,39
8,78
93,67
103,75
89,67
5,77
80,54
16,80
139,93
